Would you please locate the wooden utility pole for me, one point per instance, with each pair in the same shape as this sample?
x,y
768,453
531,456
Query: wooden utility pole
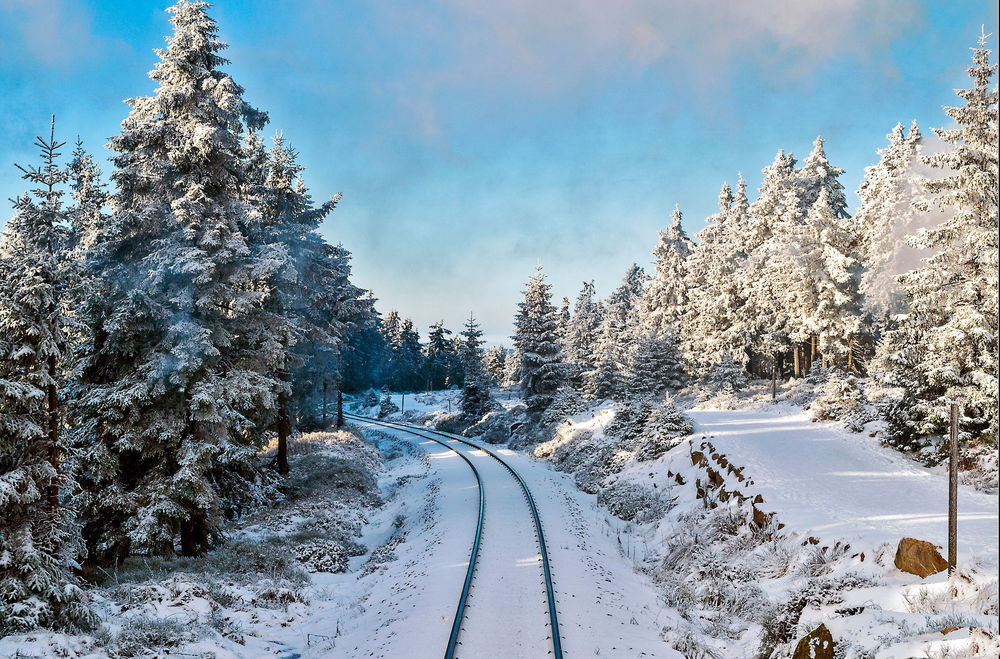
x,y
953,492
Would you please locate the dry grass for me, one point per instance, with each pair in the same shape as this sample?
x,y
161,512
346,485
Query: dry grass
x,y
313,442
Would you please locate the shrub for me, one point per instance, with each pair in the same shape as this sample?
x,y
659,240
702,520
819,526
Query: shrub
x,y
633,502
841,399
664,429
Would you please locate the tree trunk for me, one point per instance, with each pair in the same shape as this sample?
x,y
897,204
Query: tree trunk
x,y
797,366
850,355
324,402
813,342
53,420
194,536
340,406
284,431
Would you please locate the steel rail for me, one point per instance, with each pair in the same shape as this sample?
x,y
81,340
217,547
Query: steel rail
x,y
546,569
474,555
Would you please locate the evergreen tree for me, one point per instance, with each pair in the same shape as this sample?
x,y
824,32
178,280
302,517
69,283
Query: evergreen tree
x,y
714,325
583,330
825,284
664,301
170,381
816,175
953,296
476,400
495,362
890,195
440,357
619,332
537,340
90,196
39,538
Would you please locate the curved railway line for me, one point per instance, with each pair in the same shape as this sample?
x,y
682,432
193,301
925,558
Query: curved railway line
x,y
456,628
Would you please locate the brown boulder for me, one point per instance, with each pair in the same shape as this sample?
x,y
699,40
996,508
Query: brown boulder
x,y
919,557
817,644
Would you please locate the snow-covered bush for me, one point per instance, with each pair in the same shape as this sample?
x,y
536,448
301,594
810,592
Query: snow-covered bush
x,y
841,399
322,556
497,426
630,501
566,403
139,635
629,422
901,423
368,400
726,377
663,430
318,472
386,406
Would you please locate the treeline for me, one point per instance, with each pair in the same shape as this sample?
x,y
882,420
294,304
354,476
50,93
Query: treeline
x,y
904,292
155,335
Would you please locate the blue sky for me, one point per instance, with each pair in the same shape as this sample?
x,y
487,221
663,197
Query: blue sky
x,y
473,139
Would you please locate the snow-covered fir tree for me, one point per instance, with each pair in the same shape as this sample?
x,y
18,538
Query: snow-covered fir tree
x,y
583,330
495,362
665,299
89,197
440,357
620,327
655,360
170,382
710,329
953,295
816,175
890,196
536,336
824,285
476,400
39,538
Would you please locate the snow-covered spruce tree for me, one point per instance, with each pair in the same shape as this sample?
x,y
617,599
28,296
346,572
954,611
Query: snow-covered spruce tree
x,y
438,357
39,538
89,194
655,360
710,331
953,296
816,175
512,368
583,330
536,335
665,299
494,360
890,196
366,354
309,303
168,384
476,400
825,285
617,337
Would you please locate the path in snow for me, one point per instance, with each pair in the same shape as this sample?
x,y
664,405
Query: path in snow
x,y
835,484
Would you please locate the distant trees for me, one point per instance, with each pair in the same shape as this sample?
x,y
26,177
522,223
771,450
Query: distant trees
x,y
904,292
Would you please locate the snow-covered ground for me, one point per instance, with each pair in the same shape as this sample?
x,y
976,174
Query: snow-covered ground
x,y
844,486
690,574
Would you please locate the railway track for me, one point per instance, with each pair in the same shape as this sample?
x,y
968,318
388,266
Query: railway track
x,y
456,629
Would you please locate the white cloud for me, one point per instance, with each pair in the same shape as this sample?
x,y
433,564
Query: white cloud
x,y
54,33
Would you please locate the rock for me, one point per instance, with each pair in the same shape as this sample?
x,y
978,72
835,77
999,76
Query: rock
x,y
948,630
817,644
919,557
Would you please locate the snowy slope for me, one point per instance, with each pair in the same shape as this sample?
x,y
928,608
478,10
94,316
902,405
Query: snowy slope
x,y
832,484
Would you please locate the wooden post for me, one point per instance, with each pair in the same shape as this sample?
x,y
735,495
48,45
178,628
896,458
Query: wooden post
x,y
774,378
953,492
340,405
402,403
